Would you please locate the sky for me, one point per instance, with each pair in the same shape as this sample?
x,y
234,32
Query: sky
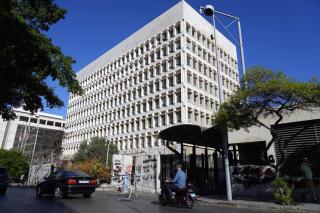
x,y
277,34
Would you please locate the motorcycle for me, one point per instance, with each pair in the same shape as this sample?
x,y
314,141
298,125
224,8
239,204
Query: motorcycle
x,y
184,197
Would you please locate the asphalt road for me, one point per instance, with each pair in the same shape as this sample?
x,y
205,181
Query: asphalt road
x,y
23,200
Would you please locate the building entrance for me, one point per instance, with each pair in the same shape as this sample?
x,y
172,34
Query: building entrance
x,y
201,160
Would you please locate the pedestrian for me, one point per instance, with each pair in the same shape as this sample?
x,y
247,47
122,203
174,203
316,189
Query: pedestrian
x,y
308,178
22,179
125,182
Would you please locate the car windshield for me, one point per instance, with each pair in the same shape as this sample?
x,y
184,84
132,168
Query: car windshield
x,y
75,174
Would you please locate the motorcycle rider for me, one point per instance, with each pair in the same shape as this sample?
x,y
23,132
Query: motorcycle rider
x,y
177,183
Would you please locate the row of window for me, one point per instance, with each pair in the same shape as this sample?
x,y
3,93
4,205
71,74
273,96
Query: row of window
x,y
135,53
121,74
201,67
153,103
208,43
111,100
162,118
41,121
201,100
196,116
146,140
132,81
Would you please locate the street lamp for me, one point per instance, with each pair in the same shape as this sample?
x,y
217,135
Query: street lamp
x,y
209,10
33,150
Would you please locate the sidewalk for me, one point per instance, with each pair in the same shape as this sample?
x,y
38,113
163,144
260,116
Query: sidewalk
x,y
239,203
264,206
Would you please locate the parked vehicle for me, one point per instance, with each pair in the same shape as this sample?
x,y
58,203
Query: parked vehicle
x,y
183,198
63,183
4,181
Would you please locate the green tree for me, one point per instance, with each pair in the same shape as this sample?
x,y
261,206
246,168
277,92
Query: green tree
x,y
97,149
15,162
267,94
28,57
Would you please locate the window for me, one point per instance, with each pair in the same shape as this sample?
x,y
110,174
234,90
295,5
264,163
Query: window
x,y
163,101
171,65
188,44
156,121
157,85
164,36
178,96
156,101
22,118
158,69
178,78
158,54
150,104
151,87
163,119
171,32
42,121
178,44
188,60
164,51
178,60
178,28
189,115
170,117
171,80
164,67
170,99
34,120
171,47
164,83
178,116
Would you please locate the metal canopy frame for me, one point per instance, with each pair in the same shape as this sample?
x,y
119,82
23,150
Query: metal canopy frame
x,y
194,135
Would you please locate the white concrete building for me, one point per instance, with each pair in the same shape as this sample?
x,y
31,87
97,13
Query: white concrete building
x,y
15,133
162,75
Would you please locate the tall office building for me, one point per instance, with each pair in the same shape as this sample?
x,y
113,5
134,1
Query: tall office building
x,y
162,75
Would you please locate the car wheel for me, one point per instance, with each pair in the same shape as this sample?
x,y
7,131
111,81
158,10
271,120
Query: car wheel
x,y
87,195
39,191
58,193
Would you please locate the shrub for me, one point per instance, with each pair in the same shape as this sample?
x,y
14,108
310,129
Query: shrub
x,y
91,167
283,193
15,162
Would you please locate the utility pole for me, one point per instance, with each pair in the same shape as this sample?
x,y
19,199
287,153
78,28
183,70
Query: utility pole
x,y
209,10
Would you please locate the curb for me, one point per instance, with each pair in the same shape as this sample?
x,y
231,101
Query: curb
x,y
234,204
293,209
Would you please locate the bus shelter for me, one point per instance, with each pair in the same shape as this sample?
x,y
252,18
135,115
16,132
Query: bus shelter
x,y
200,152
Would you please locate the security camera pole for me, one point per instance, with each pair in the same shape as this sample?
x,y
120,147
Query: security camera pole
x,y
208,10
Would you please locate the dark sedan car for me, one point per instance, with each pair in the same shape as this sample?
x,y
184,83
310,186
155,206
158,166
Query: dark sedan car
x,y
4,181
63,183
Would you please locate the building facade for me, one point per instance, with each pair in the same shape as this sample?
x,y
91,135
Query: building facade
x,y
162,75
20,134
